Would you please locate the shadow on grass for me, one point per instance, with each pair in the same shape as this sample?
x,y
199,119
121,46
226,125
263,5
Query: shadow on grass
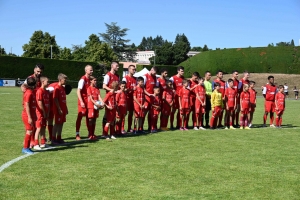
x,y
268,126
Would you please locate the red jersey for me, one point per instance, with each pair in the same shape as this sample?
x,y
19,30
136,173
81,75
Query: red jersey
x,y
236,85
29,97
270,92
150,83
245,99
200,90
155,100
222,86
252,95
242,83
162,85
130,85
139,94
280,99
168,95
44,96
110,99
192,84
60,94
230,94
177,83
185,98
121,98
110,78
84,84
38,82
94,92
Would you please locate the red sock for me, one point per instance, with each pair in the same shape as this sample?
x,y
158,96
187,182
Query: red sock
x,y
50,128
265,118
212,122
280,121
220,118
123,124
242,121
78,121
105,131
93,129
277,121
36,142
26,141
43,141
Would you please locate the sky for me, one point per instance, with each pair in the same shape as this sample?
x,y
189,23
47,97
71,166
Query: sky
x,y
216,23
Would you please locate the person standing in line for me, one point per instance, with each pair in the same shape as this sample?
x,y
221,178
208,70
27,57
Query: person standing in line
x,y
200,103
121,109
184,105
220,80
83,85
163,86
208,90
252,101
193,83
269,93
168,100
280,105
216,106
230,104
245,107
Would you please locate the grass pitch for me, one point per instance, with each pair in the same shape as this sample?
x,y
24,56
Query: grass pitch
x,y
262,163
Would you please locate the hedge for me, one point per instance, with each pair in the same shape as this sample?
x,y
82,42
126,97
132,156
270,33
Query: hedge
x,y
257,60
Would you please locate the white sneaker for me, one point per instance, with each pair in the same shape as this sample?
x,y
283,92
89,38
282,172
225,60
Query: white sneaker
x,y
250,125
113,137
44,145
37,147
201,128
195,128
272,126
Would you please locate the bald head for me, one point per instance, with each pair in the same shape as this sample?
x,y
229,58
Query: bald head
x,y
88,70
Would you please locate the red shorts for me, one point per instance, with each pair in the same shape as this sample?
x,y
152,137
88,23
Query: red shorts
x,y
176,102
199,109
245,111
252,106
230,109
279,112
28,127
217,111
130,103
81,109
154,112
185,111
138,112
122,112
41,121
92,113
59,119
166,109
269,106
110,115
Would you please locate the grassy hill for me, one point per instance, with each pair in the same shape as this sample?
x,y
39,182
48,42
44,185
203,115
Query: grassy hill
x,y
284,60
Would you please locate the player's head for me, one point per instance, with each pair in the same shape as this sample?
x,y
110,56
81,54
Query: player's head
x,y
156,90
123,85
153,71
195,76
88,70
207,75
164,72
114,66
246,87
217,86
180,70
44,81
201,80
271,80
30,83
251,84
38,70
140,81
93,80
115,85
169,84
219,74
185,83
62,78
230,82
235,74
131,69
281,88
246,75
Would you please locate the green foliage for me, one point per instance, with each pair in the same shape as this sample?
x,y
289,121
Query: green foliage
x,y
172,69
2,52
284,59
180,49
164,54
39,46
65,54
150,44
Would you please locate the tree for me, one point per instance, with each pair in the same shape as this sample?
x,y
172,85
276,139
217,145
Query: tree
x,y
114,37
2,52
196,49
292,43
39,46
150,43
205,48
164,54
65,54
180,48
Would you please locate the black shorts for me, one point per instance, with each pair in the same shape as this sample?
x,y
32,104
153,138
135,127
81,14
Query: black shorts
x,y
286,93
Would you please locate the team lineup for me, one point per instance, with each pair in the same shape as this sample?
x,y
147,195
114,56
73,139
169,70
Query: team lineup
x,y
208,103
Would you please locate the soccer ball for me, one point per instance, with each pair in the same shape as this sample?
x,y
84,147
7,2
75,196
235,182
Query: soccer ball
x,y
98,103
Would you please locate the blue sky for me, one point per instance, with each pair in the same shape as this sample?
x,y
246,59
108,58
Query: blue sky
x,y
219,24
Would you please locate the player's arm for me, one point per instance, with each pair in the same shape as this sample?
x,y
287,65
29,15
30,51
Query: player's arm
x,y
179,102
41,106
105,84
241,103
80,86
28,113
264,92
148,94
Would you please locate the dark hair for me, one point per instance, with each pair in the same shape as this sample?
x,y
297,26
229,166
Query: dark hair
x,y
280,86
216,84
93,77
246,72
269,77
130,66
168,81
155,68
207,72
219,71
179,68
230,80
156,87
163,70
200,78
184,81
115,61
196,74
122,82
30,81
140,79
235,71
251,82
41,66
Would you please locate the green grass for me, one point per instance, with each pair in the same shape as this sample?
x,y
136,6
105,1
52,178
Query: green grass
x,y
262,163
